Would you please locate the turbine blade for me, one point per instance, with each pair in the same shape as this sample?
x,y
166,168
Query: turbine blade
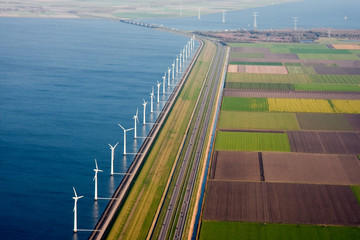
x,y
137,111
121,126
96,164
117,143
75,192
110,146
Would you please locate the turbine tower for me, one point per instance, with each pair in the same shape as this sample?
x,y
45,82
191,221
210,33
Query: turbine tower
x,y
295,23
199,13
96,170
173,70
136,119
169,71
125,130
76,198
186,51
164,77
177,64
255,23
223,16
112,157
183,55
144,104
180,58
158,88
152,100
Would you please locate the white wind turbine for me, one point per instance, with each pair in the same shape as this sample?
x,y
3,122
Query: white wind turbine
x,y
96,170
136,119
158,88
76,198
164,77
125,130
173,70
180,58
144,104
186,51
183,55
112,157
169,70
152,100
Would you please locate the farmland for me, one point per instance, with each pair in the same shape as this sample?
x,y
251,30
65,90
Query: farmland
x,y
252,141
214,230
285,161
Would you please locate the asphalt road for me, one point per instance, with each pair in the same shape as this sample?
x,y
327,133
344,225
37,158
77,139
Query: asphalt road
x,y
177,210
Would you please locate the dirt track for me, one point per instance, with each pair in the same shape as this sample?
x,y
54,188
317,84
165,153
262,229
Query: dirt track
x,y
290,94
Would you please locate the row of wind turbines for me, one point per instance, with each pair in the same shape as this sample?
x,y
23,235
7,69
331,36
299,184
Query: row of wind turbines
x,y
176,67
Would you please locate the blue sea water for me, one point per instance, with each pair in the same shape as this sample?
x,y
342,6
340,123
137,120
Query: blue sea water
x,y
310,14
64,86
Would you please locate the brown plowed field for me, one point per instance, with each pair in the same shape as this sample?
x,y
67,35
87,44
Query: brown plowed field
x,y
324,121
311,168
324,142
290,94
235,166
281,203
337,70
354,120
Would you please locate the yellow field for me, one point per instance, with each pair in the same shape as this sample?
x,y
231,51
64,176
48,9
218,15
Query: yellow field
x,y
299,105
346,106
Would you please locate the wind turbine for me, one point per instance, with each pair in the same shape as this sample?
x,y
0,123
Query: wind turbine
x,y
169,70
186,51
158,86
112,157
136,119
183,55
223,16
96,170
255,22
152,100
164,77
173,70
177,64
144,104
76,198
180,58
125,130
199,14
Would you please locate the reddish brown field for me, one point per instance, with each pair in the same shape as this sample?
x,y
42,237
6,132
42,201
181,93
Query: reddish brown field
x,y
311,168
232,68
290,94
346,46
281,203
354,120
324,142
235,166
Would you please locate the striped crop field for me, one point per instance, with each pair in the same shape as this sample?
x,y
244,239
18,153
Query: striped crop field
x,y
258,120
346,106
268,78
300,70
335,79
244,104
299,105
319,51
252,141
315,56
328,87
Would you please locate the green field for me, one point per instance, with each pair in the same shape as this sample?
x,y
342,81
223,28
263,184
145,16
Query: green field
x,y
280,47
244,104
245,55
257,63
268,78
257,120
300,70
335,79
260,231
320,121
356,191
328,87
315,56
319,51
252,141
265,86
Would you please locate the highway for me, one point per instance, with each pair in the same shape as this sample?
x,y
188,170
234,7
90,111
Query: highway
x,y
177,210
108,217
